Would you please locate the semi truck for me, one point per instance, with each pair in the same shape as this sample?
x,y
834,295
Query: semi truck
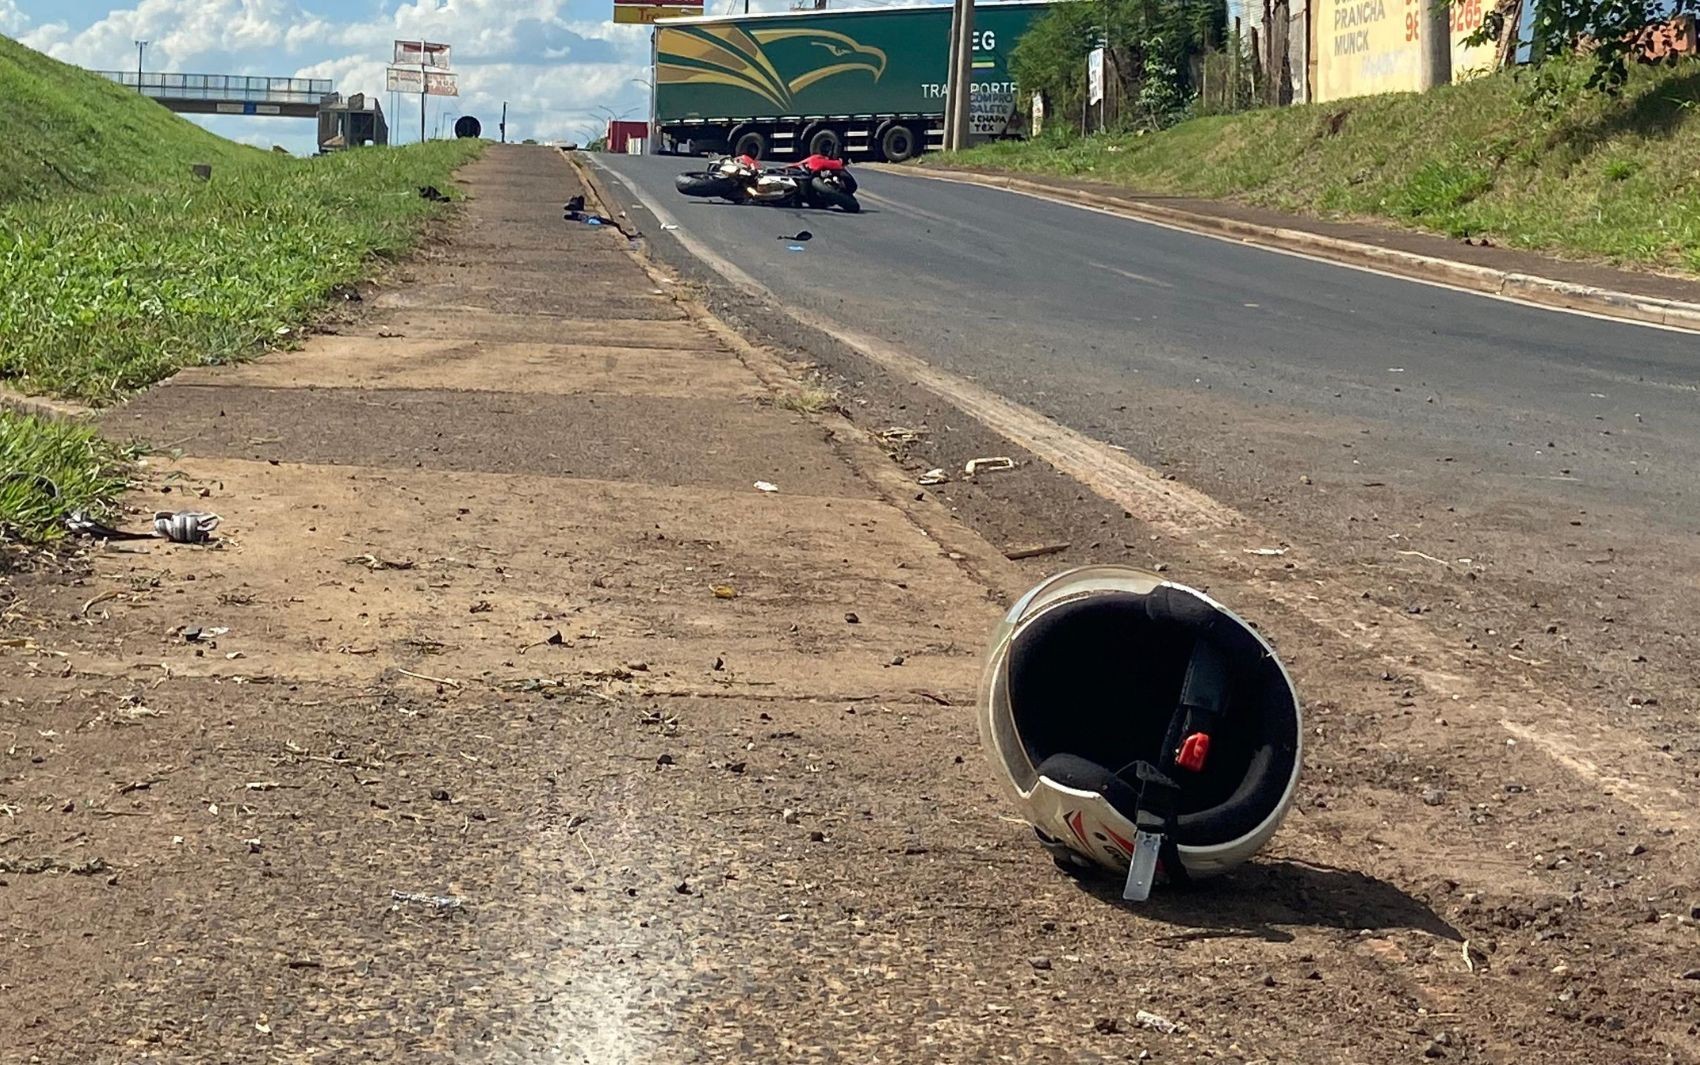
x,y
858,84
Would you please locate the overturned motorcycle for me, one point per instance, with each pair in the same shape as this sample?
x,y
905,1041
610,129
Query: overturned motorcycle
x,y
818,181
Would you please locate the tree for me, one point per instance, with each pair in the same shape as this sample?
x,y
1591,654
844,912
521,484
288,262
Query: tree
x,y
1611,31
1150,47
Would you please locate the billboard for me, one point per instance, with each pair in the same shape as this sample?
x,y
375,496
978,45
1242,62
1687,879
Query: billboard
x,y
428,82
1362,47
650,10
400,79
421,54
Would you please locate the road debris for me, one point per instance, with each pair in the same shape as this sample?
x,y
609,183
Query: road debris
x,y
185,526
766,486
445,681
195,634
1267,552
439,903
82,523
1157,1023
988,465
802,235
1016,554
432,193
723,591
33,866
901,434
374,563
936,475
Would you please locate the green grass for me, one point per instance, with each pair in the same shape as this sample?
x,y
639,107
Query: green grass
x,y
67,131
117,267
49,469
1530,158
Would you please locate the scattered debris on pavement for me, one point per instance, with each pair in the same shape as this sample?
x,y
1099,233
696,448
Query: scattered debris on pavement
x,y
988,465
1016,554
439,903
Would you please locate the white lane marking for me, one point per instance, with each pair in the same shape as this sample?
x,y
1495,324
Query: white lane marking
x,y
1244,242
1131,276
1190,515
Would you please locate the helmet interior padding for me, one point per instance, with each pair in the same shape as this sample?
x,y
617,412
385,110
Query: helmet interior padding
x,y
1100,679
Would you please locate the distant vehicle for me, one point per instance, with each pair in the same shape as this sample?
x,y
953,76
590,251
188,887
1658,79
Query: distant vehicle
x,y
866,84
818,181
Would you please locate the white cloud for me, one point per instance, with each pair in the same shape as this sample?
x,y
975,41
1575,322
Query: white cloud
x,y
12,21
556,68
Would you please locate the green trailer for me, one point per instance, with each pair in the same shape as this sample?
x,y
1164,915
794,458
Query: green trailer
x,y
867,83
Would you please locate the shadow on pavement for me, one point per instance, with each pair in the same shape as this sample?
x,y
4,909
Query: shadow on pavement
x,y
1257,899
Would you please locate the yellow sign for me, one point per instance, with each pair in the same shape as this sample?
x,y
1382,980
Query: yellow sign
x,y
651,12
1362,47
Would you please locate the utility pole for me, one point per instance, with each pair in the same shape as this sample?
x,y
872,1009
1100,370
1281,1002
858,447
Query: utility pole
x,y
139,46
504,124
950,83
1435,39
959,85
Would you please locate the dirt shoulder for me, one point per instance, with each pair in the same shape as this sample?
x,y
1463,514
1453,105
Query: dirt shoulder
x,y
536,731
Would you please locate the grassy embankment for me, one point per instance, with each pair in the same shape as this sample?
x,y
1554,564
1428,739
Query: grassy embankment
x,y
1530,158
117,267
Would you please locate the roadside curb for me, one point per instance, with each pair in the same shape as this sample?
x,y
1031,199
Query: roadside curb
x,y
49,409
853,442
1528,288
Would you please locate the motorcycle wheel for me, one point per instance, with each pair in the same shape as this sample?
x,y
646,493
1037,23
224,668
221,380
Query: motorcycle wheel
x,y
705,184
828,194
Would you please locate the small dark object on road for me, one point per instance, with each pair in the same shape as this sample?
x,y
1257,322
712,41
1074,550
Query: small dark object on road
x,y
802,234
430,192
81,523
587,218
574,204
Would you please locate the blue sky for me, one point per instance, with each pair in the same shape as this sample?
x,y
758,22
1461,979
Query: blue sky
x,y
556,62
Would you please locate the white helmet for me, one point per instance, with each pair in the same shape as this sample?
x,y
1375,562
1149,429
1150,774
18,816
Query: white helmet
x,y
1142,727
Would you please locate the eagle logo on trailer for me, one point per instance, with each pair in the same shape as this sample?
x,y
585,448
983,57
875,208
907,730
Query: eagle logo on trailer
x,y
728,55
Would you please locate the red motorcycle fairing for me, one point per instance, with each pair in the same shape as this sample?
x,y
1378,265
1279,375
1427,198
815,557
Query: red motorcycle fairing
x,y
814,164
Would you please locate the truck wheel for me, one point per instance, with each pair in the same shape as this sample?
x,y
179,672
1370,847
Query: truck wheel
x,y
747,140
897,143
823,140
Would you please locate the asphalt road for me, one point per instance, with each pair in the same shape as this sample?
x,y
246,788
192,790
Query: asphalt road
x,y
1236,366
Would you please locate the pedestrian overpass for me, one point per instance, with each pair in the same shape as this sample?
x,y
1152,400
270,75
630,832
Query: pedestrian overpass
x,y
228,94
342,122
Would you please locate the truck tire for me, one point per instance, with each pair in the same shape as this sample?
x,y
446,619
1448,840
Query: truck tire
x,y
898,143
830,195
750,141
823,140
